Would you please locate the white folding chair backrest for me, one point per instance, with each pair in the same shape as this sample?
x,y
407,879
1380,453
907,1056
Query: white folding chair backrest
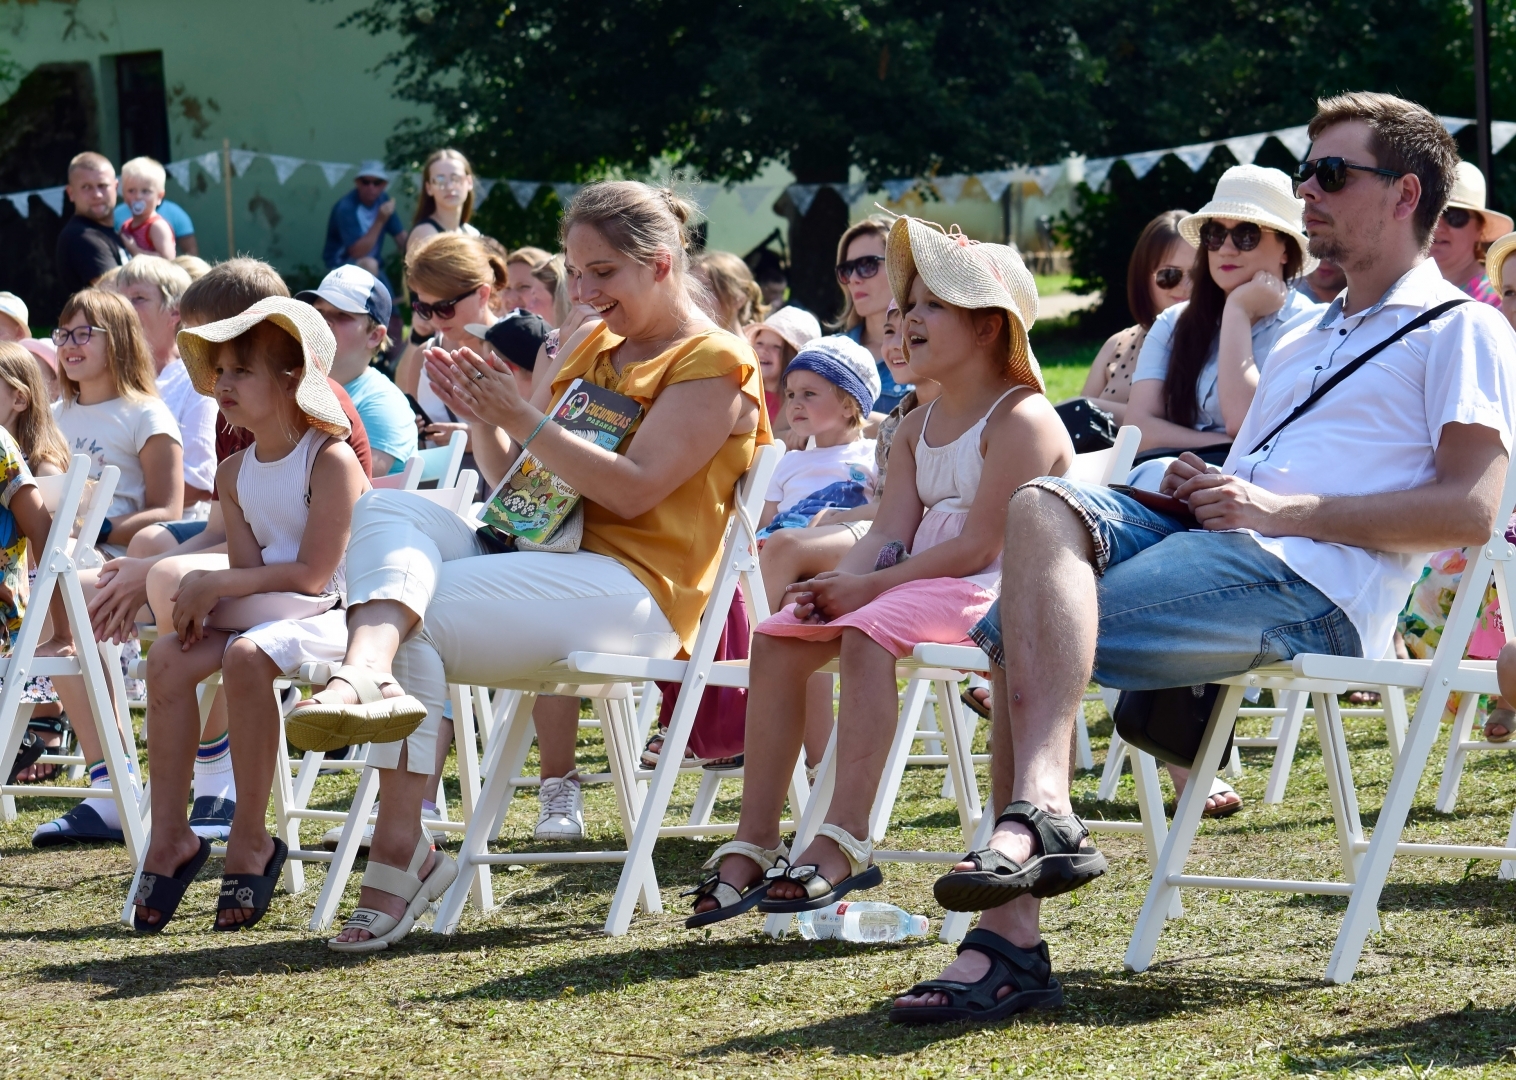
x,y
1108,466
405,480
441,463
457,497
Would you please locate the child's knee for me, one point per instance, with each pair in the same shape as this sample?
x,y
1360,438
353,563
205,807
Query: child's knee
x,y
164,658
1505,671
245,661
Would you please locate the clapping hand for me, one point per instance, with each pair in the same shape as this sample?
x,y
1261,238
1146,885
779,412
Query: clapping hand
x,y
474,388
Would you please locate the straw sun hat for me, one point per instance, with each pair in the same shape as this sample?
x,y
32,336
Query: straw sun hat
x,y
967,274
1265,197
1494,259
301,321
1469,193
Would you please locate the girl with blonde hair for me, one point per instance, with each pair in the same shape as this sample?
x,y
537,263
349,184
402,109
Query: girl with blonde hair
x,y
738,300
539,284
25,412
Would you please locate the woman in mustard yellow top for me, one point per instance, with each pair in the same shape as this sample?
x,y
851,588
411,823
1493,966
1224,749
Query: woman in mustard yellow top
x,y
429,604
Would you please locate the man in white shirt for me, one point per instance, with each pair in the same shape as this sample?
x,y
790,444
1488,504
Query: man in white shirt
x,y
154,286
1310,539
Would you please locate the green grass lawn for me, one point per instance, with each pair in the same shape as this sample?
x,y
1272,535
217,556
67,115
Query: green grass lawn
x,y
534,989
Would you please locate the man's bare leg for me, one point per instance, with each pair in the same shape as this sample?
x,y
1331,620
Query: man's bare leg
x,y
1049,617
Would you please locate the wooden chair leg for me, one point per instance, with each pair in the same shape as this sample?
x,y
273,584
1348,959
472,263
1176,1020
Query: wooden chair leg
x,y
1287,731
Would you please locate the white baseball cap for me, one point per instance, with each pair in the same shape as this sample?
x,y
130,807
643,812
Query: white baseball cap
x,y
353,289
15,307
373,167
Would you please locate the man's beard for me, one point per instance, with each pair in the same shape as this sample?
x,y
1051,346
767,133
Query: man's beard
x,y
1328,247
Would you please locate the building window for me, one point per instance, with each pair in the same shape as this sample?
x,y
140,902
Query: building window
x,y
142,105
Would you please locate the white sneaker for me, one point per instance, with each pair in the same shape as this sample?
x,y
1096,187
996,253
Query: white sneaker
x,y
561,813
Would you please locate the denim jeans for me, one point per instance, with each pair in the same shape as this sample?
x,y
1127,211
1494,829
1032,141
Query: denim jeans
x,y
1181,607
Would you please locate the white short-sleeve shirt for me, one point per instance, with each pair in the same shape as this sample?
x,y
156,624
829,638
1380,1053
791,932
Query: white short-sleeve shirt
x,y
805,472
113,433
1378,430
196,416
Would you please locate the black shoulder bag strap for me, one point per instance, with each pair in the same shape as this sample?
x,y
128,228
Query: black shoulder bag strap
x,y
1415,324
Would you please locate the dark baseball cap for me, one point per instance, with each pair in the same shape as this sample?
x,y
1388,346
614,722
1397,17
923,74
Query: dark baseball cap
x,y
517,336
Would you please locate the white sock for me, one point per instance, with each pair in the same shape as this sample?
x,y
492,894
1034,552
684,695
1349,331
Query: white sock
x,y
213,769
99,780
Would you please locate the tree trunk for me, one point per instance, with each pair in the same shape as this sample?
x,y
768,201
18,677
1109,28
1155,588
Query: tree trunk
x,y
813,252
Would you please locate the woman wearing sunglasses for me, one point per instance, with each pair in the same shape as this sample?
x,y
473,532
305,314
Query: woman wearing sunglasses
x,y
1199,366
866,294
1464,233
1157,278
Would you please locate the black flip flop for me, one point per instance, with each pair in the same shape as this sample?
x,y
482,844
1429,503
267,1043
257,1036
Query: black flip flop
x,y
163,894
82,826
1028,971
242,891
866,879
1059,864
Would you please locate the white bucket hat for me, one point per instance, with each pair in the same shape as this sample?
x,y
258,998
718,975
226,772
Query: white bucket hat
x,y
1469,194
302,322
967,274
1494,259
795,325
1265,197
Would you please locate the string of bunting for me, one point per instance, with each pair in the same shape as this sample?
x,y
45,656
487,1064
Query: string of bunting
x,y
1092,171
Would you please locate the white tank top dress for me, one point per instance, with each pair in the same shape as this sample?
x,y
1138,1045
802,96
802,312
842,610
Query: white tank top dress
x,y
274,497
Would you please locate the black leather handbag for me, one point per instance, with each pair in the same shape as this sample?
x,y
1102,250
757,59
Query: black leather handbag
x,y
1168,723
1090,427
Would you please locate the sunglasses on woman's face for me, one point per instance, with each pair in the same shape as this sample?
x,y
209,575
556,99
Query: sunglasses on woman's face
x,y
442,309
1244,234
864,267
1457,217
80,335
1169,277
1332,172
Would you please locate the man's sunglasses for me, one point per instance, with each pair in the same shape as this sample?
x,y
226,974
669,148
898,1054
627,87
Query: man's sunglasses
x,y
1457,217
443,309
80,335
865,267
1169,277
372,181
1332,172
1244,234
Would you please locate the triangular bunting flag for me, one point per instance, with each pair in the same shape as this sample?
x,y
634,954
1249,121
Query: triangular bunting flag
x,y
802,195
1454,124
241,159
333,171
524,190
850,193
1096,170
1501,132
897,188
180,171
210,161
704,194
950,187
1046,177
1245,147
53,196
1297,140
565,190
994,183
21,202
753,196
1195,154
1142,164
284,167
482,189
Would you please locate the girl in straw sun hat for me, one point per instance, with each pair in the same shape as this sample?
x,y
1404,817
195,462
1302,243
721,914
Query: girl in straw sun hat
x,y
1505,287
953,467
274,608
1465,229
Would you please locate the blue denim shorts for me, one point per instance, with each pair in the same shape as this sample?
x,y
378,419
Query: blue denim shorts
x,y
1181,607
183,530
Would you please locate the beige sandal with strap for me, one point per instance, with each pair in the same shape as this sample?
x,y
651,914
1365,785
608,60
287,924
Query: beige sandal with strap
x,y
418,893
729,901
819,892
322,724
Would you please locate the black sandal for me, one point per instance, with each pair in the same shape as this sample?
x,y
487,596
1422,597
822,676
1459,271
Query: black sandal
x,y
242,891
980,707
819,891
1028,971
1059,864
163,894
38,727
731,901
27,753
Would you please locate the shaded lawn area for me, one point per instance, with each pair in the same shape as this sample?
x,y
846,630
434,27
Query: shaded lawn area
x,y
535,989
1065,354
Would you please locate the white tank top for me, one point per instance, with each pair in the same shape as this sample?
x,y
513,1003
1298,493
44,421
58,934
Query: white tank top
x,y
274,496
947,477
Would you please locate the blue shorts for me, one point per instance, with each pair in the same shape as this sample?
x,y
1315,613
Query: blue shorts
x,y
183,530
1181,607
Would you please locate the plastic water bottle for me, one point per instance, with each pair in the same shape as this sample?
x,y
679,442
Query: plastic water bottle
x,y
864,920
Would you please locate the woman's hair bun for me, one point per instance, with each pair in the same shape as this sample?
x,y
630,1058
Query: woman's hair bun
x,y
680,207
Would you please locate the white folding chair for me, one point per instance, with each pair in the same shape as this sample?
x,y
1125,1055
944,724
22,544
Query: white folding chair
x,y
607,679
1366,862
441,463
58,568
407,479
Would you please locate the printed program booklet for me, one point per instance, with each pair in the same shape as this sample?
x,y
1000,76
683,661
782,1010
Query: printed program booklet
x,y
530,503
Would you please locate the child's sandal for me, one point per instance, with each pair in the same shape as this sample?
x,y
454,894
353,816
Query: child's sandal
x,y
819,892
729,901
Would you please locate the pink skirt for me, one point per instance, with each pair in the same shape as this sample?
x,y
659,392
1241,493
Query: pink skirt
x,y
940,610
